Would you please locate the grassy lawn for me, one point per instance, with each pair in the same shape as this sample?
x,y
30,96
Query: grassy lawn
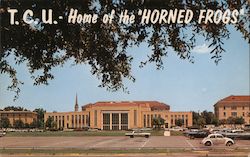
x,y
68,133
103,151
78,133
176,133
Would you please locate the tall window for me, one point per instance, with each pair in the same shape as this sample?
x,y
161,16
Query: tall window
x,y
135,117
95,116
152,120
83,120
87,120
148,120
224,113
106,121
59,121
76,121
144,121
72,121
115,121
63,121
124,121
234,114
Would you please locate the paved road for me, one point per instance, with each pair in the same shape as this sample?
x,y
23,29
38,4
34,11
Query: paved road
x,y
138,155
110,142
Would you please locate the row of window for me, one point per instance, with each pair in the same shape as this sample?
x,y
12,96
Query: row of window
x,y
116,121
146,119
148,123
15,115
179,116
235,107
234,114
16,118
76,120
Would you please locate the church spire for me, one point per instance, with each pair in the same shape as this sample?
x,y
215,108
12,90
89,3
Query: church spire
x,y
76,104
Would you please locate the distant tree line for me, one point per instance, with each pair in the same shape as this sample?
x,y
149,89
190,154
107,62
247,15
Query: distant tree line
x,y
207,118
14,108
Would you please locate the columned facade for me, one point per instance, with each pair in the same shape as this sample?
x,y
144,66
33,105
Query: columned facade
x,y
122,115
68,120
114,120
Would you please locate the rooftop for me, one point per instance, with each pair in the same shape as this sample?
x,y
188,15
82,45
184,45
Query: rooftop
x,y
235,98
12,111
154,105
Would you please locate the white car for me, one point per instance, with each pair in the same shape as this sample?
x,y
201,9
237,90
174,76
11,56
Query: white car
x,y
138,133
213,139
2,133
177,128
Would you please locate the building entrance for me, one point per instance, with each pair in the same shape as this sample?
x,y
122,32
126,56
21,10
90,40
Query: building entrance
x,y
115,121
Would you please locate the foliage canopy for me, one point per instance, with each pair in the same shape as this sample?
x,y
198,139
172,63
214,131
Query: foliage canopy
x,y
104,46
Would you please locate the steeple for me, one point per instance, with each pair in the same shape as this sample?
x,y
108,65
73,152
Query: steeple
x,y
76,104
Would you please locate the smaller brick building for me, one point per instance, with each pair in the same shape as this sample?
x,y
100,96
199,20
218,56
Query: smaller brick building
x,y
26,116
233,106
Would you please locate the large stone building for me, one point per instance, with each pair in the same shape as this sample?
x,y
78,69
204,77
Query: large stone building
x,y
25,116
121,115
233,106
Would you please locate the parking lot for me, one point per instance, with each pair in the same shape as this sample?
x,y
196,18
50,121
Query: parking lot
x,y
111,142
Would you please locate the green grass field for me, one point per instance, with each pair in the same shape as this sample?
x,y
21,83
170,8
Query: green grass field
x,y
237,152
176,133
78,133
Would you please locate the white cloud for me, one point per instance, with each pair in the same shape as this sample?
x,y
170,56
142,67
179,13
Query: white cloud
x,y
201,49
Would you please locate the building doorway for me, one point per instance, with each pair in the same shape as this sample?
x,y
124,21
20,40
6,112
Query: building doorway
x,y
115,121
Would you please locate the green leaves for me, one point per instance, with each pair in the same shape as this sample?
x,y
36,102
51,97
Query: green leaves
x,y
104,46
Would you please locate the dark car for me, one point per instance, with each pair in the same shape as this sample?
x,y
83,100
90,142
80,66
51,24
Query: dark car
x,y
197,134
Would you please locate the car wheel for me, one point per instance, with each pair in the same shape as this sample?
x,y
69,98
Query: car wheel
x,y
146,136
131,136
208,143
229,143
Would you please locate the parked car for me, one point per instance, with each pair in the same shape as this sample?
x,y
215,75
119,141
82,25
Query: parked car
x,y
177,128
197,134
247,128
214,139
138,133
2,133
237,135
237,131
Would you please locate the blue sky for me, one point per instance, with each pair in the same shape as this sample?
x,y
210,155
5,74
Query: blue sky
x,y
182,85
